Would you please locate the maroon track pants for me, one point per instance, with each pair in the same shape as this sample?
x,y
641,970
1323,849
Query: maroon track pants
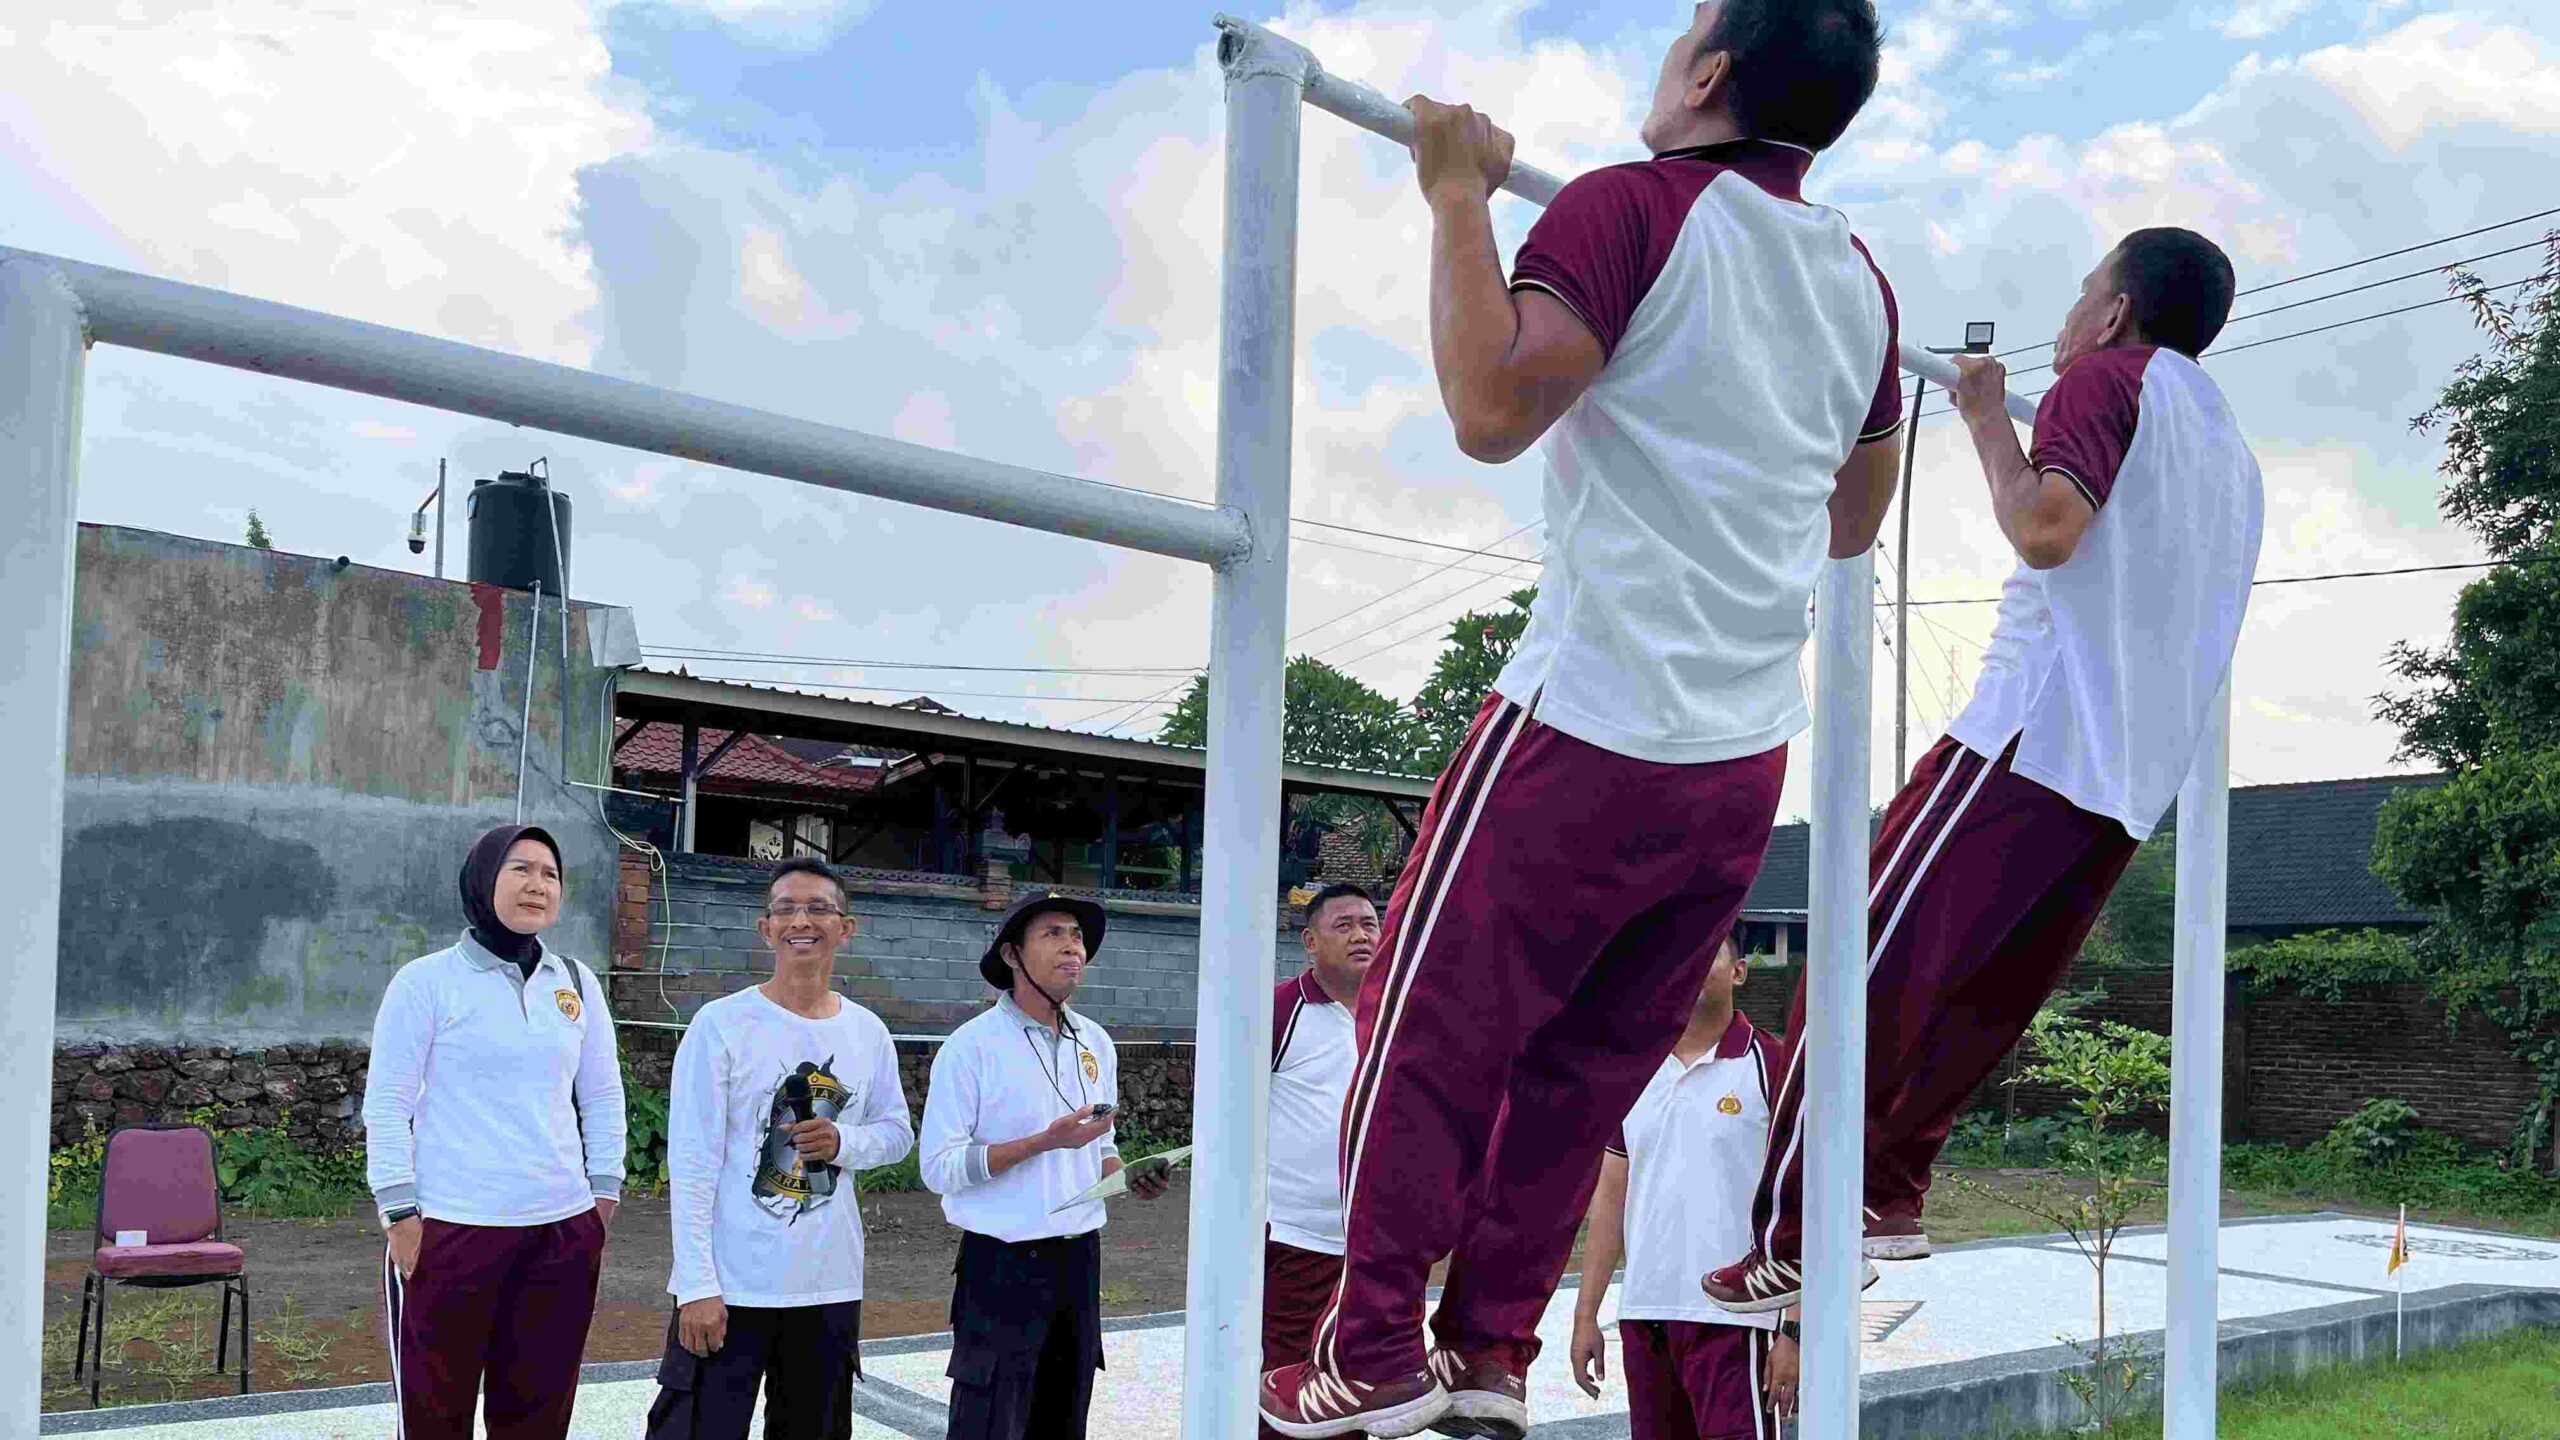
x,y
1295,1286
1542,950
1689,1380
1983,884
501,1304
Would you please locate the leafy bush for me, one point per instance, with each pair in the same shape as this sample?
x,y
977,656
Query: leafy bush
x,y
644,1152
2381,1131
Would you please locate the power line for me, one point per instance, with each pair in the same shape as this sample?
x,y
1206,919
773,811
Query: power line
x,y
1388,555
2284,580
1401,589
972,694
1425,634
1411,540
1409,614
2350,265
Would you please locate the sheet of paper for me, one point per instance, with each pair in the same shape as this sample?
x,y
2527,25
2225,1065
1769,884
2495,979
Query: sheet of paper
x,y
1117,1182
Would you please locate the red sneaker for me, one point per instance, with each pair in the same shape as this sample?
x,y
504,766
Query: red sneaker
x,y
1758,1284
1486,1397
1306,1402
1894,1237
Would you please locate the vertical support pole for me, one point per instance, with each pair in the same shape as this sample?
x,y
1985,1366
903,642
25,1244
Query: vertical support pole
x,y
439,519
1190,832
43,351
1257,352
2192,1371
1902,594
1835,1064
1110,832
690,770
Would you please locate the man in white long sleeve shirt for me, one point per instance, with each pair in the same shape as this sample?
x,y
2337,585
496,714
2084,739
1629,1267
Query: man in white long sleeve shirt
x,y
1017,1124
781,1093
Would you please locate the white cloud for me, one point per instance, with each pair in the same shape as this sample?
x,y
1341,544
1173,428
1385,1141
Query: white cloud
x,y
2442,71
753,593
2258,19
778,22
407,165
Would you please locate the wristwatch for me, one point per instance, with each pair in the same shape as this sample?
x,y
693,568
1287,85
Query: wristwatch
x,y
1791,1330
398,1213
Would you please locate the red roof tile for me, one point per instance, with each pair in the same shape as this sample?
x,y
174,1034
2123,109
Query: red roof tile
x,y
659,750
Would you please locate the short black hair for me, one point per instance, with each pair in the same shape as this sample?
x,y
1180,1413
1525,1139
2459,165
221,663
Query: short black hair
x,y
2178,284
1337,891
807,865
1802,69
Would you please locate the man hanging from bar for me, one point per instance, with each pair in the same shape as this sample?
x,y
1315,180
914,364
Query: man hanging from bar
x,y
2135,515
1711,361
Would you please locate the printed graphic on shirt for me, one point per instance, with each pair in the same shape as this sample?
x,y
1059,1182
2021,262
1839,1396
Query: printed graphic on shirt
x,y
787,1187
567,1000
1729,1105
1092,1069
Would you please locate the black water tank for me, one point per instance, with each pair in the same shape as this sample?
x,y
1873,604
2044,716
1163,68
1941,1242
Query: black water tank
x,y
511,520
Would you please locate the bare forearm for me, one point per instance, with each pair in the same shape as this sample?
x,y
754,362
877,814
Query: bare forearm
x,y
1473,324
1001,1158
2014,483
1602,1247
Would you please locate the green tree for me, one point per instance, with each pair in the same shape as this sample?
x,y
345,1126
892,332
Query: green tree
x,y
258,532
1327,718
1480,644
2481,853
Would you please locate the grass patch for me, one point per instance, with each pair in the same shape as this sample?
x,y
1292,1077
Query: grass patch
x,y
2507,1388
160,1347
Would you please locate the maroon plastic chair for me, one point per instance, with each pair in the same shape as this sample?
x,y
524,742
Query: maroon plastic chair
x,y
160,1180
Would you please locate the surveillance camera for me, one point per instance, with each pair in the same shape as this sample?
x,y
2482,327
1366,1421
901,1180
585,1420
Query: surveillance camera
x,y
417,545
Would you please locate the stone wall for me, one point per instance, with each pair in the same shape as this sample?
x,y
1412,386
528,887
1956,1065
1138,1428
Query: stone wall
x,y
313,1091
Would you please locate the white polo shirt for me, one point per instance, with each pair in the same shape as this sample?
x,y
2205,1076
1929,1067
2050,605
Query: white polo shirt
x,y
2104,668
490,1098
1004,1076
1750,345
1315,1045
1694,1144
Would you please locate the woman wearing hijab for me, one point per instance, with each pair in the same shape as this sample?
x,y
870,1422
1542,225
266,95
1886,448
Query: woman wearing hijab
x,y
493,1134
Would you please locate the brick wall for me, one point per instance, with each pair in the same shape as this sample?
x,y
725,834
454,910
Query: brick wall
x,y
2293,1065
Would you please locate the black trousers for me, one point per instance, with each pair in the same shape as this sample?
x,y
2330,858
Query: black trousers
x,y
804,1358
1026,1326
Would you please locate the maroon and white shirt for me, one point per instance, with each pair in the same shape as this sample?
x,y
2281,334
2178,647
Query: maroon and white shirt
x,y
1694,1144
1315,1044
2104,669
1750,346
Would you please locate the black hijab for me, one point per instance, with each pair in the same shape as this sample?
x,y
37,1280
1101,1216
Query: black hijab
x,y
480,894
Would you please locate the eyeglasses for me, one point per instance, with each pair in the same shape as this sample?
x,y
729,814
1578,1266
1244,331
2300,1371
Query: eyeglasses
x,y
815,910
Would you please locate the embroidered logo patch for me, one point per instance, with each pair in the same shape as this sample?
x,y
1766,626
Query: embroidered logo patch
x,y
568,1002
1092,1071
1729,1105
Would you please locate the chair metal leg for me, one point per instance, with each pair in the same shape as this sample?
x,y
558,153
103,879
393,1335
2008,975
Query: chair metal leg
x,y
244,1334
80,1351
222,1333
98,1357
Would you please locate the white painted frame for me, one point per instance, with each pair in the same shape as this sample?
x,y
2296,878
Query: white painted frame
x,y
1263,69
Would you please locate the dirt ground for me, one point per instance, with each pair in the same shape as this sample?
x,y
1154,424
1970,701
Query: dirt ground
x,y
316,1301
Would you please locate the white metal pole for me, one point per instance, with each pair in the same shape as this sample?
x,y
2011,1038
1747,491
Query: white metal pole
x,y
1836,997
42,354
2195,1084
220,328
439,519
1257,351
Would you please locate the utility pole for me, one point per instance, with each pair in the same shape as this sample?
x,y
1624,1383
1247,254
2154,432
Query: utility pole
x,y
1902,597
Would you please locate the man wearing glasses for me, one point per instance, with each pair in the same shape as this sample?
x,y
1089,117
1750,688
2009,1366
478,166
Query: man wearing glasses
x,y
780,1093
1017,1124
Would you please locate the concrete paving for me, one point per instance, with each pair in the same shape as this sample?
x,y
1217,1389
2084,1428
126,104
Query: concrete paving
x,y
1967,1304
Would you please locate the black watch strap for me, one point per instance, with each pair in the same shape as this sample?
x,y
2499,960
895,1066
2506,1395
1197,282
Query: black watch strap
x,y
398,1213
1791,1330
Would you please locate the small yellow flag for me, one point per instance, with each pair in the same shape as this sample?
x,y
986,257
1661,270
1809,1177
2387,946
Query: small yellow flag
x,y
2399,1243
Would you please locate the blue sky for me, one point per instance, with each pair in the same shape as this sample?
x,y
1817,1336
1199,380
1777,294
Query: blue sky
x,y
995,229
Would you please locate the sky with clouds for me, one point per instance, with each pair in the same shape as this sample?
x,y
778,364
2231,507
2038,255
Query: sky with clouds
x,y
996,228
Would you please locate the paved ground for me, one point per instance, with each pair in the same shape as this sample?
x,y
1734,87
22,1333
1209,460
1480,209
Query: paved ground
x,y
1969,1303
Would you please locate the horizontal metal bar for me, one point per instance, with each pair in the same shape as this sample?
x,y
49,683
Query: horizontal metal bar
x,y
1372,111
171,318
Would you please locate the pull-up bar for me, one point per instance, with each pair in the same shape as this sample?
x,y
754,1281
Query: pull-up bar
x,y
1268,79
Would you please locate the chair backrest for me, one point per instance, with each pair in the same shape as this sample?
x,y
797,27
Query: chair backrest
x,y
160,1180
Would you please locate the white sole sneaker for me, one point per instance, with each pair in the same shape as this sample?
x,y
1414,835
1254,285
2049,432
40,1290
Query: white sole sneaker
x,y
1771,1303
1411,1418
1895,1247
1479,1412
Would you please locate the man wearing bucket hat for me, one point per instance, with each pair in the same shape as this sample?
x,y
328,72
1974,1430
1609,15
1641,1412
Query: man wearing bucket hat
x,y
1017,1124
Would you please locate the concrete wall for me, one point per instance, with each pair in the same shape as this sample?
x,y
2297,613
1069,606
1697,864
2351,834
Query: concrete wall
x,y
276,765
914,956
